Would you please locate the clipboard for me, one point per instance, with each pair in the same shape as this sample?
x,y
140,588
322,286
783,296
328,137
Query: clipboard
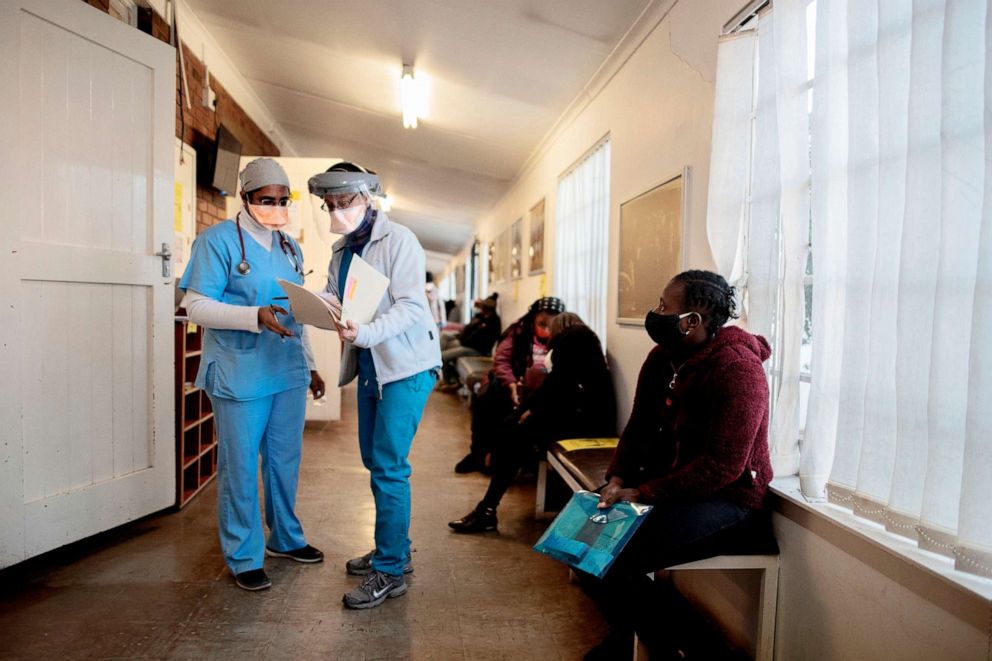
x,y
310,308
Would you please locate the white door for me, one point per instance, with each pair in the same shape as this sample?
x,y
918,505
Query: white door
x,y
86,349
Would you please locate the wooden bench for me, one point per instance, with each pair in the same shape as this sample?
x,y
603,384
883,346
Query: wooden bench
x,y
742,548
578,469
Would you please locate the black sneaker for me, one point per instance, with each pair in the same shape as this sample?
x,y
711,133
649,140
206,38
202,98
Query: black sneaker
x,y
307,554
253,580
480,519
363,566
470,464
375,589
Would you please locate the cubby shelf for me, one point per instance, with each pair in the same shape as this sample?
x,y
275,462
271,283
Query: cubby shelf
x,y
196,432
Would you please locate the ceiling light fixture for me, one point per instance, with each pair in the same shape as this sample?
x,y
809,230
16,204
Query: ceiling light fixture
x,y
410,97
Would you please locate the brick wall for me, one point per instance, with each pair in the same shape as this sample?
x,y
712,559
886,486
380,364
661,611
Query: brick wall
x,y
202,122
199,123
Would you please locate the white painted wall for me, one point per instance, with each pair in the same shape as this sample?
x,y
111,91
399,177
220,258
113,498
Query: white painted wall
x,y
658,111
840,599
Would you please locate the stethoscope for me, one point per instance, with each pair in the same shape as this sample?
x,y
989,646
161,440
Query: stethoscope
x,y
244,268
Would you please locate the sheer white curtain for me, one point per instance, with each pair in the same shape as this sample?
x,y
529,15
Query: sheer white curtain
x,y
891,164
582,238
727,194
901,191
776,212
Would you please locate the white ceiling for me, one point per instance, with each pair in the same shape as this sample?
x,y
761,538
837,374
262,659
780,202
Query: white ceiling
x,y
498,75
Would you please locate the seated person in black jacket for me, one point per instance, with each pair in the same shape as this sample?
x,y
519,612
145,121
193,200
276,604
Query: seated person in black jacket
x,y
476,339
575,400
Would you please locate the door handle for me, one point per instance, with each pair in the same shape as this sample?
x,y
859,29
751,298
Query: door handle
x,y
166,256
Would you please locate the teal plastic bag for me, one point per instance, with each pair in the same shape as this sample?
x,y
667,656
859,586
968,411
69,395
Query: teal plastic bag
x,y
590,539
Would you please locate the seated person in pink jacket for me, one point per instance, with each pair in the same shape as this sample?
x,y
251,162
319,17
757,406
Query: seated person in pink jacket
x,y
523,346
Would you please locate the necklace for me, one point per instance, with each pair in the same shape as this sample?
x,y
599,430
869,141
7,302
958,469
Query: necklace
x,y
675,373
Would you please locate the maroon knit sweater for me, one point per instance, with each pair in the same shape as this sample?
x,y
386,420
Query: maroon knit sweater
x,y
707,437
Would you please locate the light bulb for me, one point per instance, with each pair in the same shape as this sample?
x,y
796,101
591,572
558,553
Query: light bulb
x,y
409,97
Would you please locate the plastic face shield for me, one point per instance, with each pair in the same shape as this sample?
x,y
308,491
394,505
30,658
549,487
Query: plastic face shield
x,y
343,190
332,191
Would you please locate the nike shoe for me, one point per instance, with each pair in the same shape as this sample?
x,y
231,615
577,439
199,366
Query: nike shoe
x,y
375,589
363,565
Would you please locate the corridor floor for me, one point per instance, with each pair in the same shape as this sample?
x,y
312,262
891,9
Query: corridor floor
x,y
158,588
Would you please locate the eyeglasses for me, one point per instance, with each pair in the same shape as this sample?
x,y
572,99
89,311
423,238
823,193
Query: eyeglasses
x,y
273,202
340,203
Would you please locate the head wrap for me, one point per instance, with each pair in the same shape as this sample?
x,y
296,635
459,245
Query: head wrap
x,y
550,304
263,172
488,303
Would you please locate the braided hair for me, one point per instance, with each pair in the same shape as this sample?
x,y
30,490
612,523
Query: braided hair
x,y
708,292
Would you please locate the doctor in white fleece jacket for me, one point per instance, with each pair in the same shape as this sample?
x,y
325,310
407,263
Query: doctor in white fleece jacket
x,y
396,358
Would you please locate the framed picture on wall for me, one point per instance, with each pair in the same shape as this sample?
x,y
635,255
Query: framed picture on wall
x,y
536,251
503,256
517,249
493,262
651,247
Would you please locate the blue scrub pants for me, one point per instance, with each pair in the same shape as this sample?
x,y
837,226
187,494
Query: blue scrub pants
x,y
385,433
273,427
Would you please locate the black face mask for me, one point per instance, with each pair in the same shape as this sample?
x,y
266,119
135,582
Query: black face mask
x,y
664,328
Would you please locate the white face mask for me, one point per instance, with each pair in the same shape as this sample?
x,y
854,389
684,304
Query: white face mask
x,y
346,221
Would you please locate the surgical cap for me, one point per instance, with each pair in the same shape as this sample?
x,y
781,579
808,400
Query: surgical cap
x,y
263,172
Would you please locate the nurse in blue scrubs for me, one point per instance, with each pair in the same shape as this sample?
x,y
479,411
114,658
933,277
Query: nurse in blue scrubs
x,y
256,367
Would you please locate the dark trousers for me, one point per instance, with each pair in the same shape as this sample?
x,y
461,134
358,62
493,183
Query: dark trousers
x,y
673,534
489,409
514,447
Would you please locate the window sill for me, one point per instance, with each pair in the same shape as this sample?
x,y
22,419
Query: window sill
x,y
930,575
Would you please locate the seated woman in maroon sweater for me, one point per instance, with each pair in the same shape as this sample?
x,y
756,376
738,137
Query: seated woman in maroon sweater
x,y
695,447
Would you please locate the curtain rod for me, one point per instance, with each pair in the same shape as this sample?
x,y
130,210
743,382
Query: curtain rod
x,y
744,15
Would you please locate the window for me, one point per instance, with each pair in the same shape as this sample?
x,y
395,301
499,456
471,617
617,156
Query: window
x,y
582,232
867,254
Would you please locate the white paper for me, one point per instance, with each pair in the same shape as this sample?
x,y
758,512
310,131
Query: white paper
x,y
363,290
308,307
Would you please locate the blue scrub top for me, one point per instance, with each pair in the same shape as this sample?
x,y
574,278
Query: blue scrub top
x,y
242,365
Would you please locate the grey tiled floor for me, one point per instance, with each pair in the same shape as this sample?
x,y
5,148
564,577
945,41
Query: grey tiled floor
x,y
158,588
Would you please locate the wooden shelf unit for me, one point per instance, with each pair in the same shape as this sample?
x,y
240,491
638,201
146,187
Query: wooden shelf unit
x,y
196,432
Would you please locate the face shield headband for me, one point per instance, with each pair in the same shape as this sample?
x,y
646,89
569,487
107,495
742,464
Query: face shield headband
x,y
344,183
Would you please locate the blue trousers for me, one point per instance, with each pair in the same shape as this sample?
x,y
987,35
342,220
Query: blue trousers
x,y
386,428
273,427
